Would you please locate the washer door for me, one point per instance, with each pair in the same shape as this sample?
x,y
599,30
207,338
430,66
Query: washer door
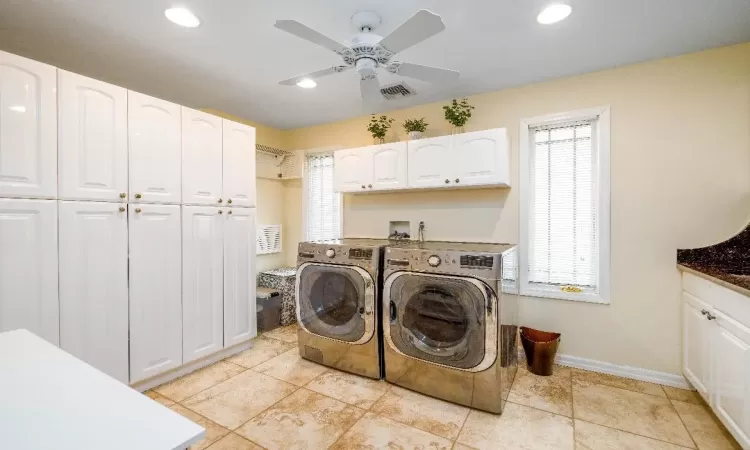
x,y
446,320
336,302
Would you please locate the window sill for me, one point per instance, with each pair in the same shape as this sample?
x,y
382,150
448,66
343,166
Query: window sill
x,y
555,293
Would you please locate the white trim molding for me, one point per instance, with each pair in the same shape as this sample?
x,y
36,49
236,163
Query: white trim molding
x,y
601,134
633,373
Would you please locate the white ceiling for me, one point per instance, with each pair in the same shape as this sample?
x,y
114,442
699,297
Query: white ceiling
x,y
234,60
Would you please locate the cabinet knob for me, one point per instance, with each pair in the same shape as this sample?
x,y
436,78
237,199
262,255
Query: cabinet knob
x,y
457,180
122,209
229,212
710,316
221,212
704,312
229,201
123,195
137,210
138,195
369,186
220,200
363,186
447,181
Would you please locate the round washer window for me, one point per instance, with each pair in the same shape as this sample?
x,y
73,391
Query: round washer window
x,y
435,316
334,298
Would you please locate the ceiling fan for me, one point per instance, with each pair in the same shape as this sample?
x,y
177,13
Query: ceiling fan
x,y
369,51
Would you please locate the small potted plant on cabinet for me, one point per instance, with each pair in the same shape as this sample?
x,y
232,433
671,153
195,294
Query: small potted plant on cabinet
x,y
378,127
415,127
457,114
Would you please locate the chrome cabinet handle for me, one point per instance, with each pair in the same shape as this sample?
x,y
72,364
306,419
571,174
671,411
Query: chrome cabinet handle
x,y
220,200
710,316
221,212
704,312
137,210
229,212
363,186
447,181
457,180
122,209
138,195
123,195
229,202
369,186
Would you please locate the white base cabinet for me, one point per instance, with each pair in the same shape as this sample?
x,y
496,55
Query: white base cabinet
x,y
94,284
202,281
716,351
155,289
28,267
240,322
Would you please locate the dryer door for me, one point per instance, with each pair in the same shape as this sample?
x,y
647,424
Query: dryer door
x,y
336,302
445,320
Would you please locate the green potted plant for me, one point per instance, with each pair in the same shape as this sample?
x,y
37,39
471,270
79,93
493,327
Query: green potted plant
x,y
378,127
457,114
415,127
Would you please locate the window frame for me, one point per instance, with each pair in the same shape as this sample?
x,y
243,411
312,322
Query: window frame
x,y
602,186
305,187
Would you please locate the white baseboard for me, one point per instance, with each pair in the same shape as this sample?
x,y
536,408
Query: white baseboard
x,y
634,373
192,366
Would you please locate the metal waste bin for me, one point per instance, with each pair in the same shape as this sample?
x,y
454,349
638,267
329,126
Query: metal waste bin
x,y
268,303
540,348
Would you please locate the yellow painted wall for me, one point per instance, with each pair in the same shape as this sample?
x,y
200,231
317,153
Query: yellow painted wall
x,y
680,178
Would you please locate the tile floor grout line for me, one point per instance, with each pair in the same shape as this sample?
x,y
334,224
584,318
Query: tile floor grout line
x,y
242,437
671,405
633,434
204,390
261,412
461,428
348,429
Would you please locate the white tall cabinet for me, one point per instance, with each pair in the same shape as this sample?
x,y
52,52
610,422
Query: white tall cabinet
x,y
28,128
239,276
201,158
155,289
239,164
94,284
28,267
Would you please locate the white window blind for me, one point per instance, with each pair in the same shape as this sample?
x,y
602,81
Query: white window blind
x,y
323,218
563,247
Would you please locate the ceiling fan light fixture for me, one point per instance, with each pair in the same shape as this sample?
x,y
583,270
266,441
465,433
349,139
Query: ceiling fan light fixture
x,y
182,17
307,83
554,13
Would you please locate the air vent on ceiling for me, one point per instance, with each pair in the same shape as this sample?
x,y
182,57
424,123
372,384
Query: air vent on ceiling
x,y
396,91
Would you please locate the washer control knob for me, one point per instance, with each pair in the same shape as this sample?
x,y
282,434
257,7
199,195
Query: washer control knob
x,y
330,253
433,260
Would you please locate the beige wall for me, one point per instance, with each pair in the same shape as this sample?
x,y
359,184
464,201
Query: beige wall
x,y
680,178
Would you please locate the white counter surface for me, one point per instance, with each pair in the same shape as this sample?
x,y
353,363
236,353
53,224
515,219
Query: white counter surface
x,y
52,400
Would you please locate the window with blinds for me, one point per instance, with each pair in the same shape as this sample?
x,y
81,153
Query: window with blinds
x,y
563,248
323,218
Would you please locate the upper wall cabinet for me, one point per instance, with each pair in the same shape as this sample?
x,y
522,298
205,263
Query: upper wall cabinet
x,y
239,164
93,141
352,169
28,128
155,150
375,168
201,158
389,166
430,162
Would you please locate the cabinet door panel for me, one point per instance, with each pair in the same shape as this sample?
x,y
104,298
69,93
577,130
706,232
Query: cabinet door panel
x,y
239,164
28,128
695,343
93,141
731,376
239,276
155,290
352,169
430,162
202,281
94,285
155,149
389,168
201,158
481,158
28,267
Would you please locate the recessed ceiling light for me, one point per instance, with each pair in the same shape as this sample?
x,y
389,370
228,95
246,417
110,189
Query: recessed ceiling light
x,y
553,14
182,17
307,83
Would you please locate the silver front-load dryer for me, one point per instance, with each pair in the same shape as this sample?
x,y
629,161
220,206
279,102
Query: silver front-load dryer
x,y
450,321
338,304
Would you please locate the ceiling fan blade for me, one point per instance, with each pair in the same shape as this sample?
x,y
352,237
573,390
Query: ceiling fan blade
x,y
370,89
308,34
416,29
314,75
424,73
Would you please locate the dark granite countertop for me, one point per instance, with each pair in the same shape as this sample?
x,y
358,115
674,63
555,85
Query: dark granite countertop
x,y
738,283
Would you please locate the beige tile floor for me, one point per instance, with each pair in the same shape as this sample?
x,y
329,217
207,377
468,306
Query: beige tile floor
x,y
267,397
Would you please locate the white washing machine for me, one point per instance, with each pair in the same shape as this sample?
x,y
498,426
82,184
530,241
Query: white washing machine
x,y
338,304
450,321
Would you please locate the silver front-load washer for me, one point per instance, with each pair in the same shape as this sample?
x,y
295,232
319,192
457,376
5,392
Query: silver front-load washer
x,y
338,304
450,321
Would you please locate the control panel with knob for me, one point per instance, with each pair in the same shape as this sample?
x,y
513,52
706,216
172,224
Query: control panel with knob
x,y
434,261
330,253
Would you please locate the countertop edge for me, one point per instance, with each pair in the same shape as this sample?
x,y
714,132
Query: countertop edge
x,y
726,284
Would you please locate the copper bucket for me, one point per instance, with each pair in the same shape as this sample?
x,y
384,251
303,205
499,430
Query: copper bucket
x,y
540,348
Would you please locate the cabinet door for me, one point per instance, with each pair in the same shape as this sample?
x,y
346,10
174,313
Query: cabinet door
x,y
155,290
730,361
93,139
481,158
695,343
201,158
389,168
239,164
28,128
155,150
352,169
239,276
94,285
202,281
28,267
430,162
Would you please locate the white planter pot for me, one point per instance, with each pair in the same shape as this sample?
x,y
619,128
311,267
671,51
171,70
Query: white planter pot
x,y
415,135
